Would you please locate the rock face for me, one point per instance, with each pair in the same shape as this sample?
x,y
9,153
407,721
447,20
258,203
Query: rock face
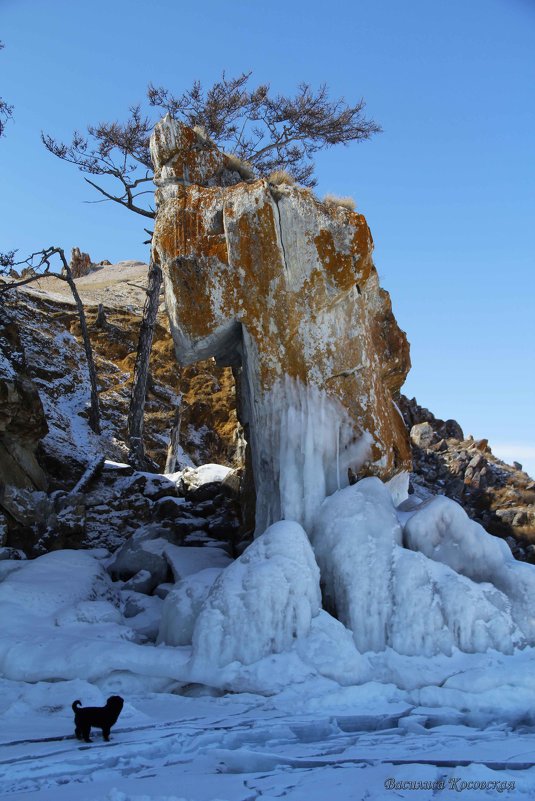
x,y
50,334
272,282
22,418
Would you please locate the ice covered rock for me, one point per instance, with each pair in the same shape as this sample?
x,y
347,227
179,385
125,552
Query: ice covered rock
x,y
283,288
53,582
188,560
261,603
392,597
143,551
442,530
141,582
194,477
182,606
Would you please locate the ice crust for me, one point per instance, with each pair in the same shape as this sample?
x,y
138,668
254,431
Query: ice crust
x,y
261,603
390,596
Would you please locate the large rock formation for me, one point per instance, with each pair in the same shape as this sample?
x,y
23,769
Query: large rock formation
x,y
271,281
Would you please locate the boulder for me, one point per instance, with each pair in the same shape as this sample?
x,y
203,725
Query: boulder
x,y
282,288
423,435
143,552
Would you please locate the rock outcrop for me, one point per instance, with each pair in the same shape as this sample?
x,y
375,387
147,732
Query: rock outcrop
x,y
81,264
499,496
49,327
281,287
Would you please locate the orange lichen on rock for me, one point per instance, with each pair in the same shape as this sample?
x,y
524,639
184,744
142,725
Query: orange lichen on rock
x,y
283,288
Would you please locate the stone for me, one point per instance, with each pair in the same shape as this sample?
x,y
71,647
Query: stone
x,y
517,465
11,554
283,289
142,582
186,561
3,530
422,435
452,430
144,551
205,493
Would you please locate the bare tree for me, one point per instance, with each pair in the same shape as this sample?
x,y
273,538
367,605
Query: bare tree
x,y
268,131
6,111
38,266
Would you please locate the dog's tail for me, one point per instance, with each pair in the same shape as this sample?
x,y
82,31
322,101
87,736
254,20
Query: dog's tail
x,y
75,705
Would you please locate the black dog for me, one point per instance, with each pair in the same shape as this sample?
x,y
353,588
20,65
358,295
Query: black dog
x,y
100,717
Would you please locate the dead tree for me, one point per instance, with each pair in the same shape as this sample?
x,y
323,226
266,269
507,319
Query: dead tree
x,y
136,413
39,263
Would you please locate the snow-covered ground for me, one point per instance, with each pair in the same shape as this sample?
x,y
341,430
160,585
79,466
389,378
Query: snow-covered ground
x,y
244,747
425,690
319,720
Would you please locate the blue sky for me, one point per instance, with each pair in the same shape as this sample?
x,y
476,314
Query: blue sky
x,y
448,188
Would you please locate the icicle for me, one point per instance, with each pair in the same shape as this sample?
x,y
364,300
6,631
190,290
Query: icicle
x,y
338,456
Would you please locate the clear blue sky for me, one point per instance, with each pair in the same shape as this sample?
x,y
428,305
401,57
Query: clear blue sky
x,y
448,188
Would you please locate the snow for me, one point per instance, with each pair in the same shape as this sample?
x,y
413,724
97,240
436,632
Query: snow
x,y
185,561
353,537
261,603
441,529
195,477
379,589
182,606
7,371
274,698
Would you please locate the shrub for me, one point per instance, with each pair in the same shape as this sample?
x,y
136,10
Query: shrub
x,y
345,202
281,178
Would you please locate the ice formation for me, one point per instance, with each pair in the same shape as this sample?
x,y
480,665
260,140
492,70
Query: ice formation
x,y
391,596
261,603
182,606
308,440
441,530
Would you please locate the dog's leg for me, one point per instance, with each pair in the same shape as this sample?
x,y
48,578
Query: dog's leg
x,y
106,733
78,733
87,732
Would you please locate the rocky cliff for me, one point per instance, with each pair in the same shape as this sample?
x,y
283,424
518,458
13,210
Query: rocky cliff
x,y
283,288
22,417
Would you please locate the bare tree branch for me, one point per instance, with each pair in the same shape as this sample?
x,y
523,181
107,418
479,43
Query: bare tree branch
x,y
124,201
6,111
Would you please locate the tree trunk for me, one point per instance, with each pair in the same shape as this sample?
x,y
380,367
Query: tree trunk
x,y
101,321
136,455
174,440
94,412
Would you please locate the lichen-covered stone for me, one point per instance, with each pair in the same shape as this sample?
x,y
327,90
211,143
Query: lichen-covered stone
x,y
281,287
